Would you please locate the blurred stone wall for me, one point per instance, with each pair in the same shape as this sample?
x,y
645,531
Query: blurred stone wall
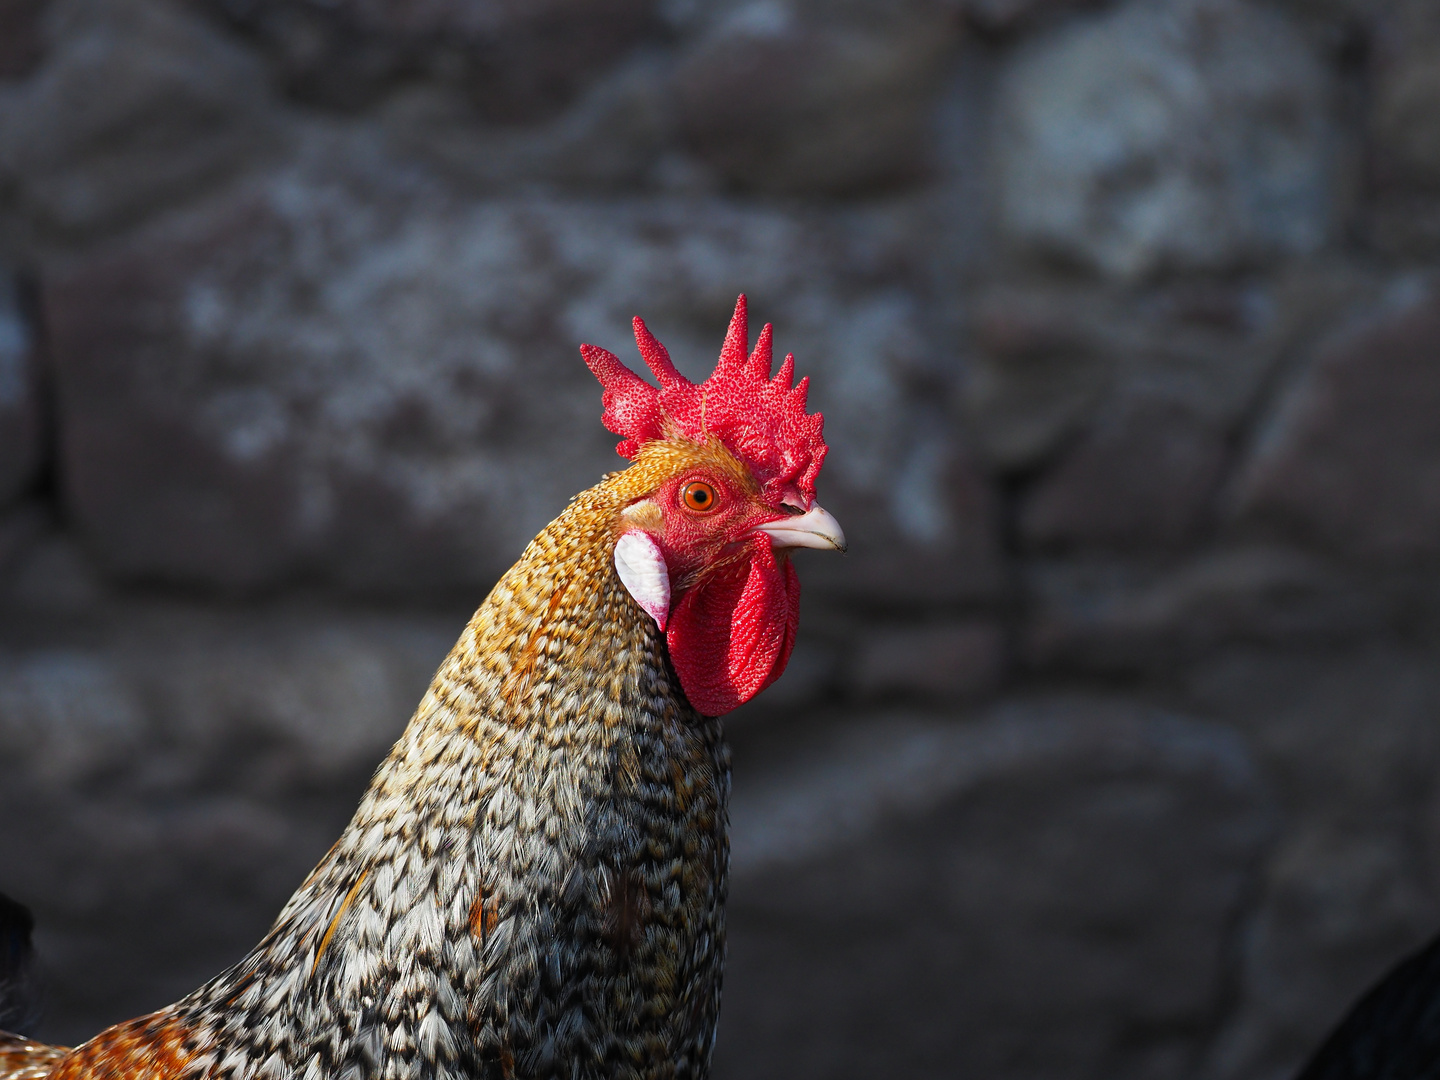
x,y
1111,749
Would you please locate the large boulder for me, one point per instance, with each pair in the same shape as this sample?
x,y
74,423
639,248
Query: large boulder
x,y
139,104
1005,17
1350,457
808,98
1045,892
1142,476
947,660
1339,908
1406,113
1105,614
1062,376
1347,737
517,58
610,137
1404,130
21,42
1191,134
366,382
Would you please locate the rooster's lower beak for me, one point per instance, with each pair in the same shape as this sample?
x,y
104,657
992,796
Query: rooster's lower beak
x,y
813,529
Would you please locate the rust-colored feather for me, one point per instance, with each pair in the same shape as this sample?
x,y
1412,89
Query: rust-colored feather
x,y
152,1047
23,1059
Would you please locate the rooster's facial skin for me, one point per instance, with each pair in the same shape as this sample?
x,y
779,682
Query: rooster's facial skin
x,y
708,556
706,551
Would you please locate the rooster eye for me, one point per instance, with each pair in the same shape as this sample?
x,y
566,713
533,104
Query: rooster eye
x,y
698,495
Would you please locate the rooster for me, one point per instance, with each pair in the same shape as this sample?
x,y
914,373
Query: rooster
x,y
534,882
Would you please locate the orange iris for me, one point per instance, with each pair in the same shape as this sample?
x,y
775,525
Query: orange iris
x,y
698,496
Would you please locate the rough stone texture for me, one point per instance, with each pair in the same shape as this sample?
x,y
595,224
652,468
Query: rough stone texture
x,y
927,530
139,103
1407,97
1333,907
50,577
1346,891
20,526
1404,128
1120,318
1113,616
1351,457
328,376
781,98
948,661
1142,477
612,135
21,45
1020,875
1052,360
1011,16
517,58
176,782
1188,135
21,412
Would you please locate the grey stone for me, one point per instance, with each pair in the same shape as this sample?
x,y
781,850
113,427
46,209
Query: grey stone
x,y
1049,360
22,428
1337,912
20,527
140,103
343,374
1350,457
169,774
1013,16
48,575
1143,476
21,41
1117,616
1302,711
1404,130
517,59
928,533
1192,134
610,137
1015,896
1405,114
781,98
951,660
1347,737
1042,365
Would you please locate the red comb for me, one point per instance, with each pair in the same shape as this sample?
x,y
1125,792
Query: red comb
x,y
760,420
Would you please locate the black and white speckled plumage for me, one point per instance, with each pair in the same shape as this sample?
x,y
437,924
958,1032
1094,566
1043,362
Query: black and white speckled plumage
x,y
534,883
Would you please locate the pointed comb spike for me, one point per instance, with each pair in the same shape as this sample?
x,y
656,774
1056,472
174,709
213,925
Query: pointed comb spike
x,y
656,356
764,354
606,366
632,406
786,375
737,340
762,421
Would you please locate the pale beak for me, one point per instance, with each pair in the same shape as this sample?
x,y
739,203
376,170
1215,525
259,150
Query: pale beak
x,y
813,529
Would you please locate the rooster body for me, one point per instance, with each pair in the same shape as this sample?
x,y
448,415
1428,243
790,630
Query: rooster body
x,y
534,882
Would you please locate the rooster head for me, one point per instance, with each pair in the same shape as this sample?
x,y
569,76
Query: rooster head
x,y
727,470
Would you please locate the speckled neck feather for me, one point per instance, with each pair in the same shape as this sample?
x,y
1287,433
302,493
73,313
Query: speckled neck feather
x,y
534,883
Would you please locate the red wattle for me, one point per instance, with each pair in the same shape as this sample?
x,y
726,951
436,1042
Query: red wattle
x,y
731,637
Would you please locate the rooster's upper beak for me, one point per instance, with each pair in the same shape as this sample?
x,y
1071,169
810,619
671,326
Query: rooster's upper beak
x,y
813,529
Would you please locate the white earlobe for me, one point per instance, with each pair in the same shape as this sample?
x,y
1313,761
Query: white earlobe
x,y
643,573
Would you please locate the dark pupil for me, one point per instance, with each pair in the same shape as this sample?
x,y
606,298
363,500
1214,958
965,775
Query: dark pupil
x,y
700,496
